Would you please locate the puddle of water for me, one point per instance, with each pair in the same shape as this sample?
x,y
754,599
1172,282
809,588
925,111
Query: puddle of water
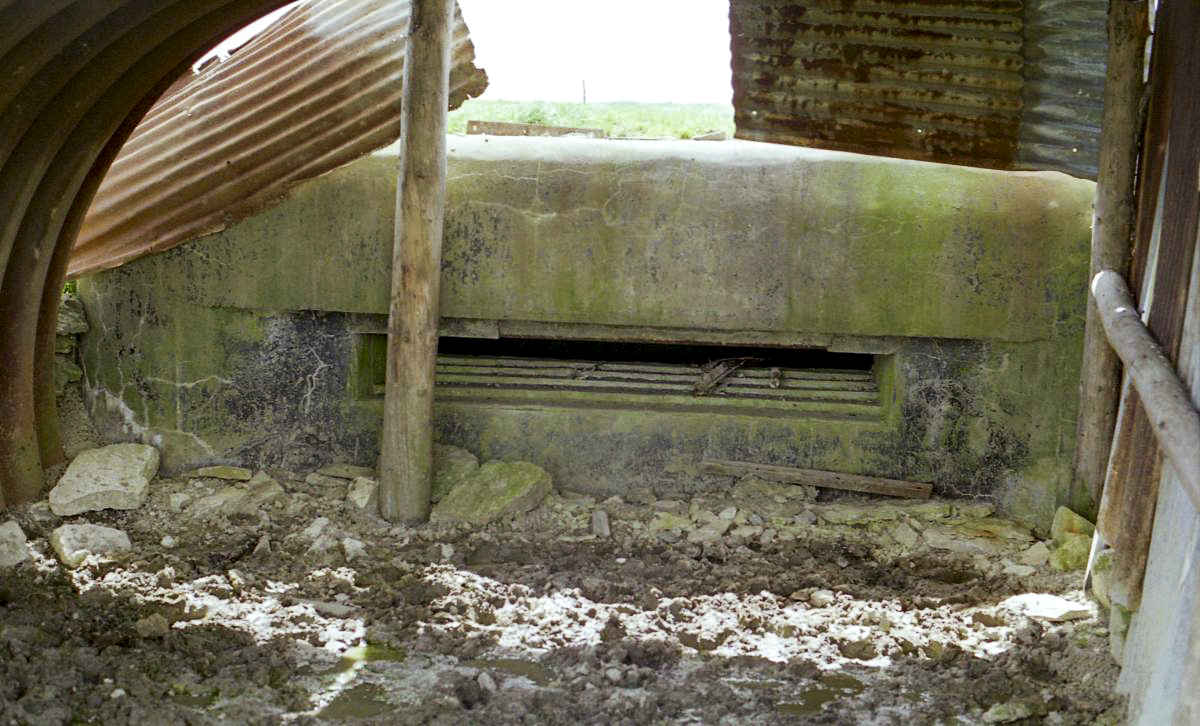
x,y
363,701
367,654
539,674
833,686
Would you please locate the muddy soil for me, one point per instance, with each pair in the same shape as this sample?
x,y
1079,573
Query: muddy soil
x,y
738,607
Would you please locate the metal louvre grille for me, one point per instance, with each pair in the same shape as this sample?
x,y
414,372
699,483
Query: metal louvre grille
x,y
757,390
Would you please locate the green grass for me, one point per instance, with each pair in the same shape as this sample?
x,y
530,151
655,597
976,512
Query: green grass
x,y
637,120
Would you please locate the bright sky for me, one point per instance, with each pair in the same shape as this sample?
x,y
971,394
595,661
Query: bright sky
x,y
626,50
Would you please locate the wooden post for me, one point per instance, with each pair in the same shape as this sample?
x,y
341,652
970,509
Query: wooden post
x,y
406,460
1112,227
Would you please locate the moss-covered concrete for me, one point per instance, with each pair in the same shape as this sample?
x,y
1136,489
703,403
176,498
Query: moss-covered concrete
x,y
242,346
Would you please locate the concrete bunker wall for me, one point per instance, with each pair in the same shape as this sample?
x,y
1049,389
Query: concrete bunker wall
x,y
259,344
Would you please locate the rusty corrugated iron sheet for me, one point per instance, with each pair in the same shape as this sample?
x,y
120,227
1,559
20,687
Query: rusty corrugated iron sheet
x,y
319,88
995,83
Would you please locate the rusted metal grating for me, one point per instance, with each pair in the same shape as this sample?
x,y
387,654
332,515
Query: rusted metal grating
x,y
319,88
993,83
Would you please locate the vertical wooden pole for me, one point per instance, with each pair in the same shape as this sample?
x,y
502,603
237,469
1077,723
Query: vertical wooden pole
x,y
1112,228
406,461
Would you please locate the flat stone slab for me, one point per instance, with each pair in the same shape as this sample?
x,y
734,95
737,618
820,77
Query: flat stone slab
x,y
231,473
242,498
14,549
111,477
74,542
1041,606
496,490
346,471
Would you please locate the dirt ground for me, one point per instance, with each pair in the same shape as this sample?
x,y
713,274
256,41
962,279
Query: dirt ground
x,y
751,605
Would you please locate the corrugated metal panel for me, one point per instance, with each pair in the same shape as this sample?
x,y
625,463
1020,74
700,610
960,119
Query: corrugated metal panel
x,y
319,88
995,83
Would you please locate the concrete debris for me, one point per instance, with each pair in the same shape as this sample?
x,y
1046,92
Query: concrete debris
x,y
111,477
1068,522
1012,568
822,598
346,471
1009,711
74,542
953,540
751,487
177,501
1041,606
498,489
353,548
245,498
905,535
315,528
232,473
323,481
451,467
1072,552
14,549
263,547
168,542
710,531
363,495
600,526
153,626
1038,554
486,682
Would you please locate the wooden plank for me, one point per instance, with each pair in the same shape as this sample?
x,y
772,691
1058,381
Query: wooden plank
x,y
1112,226
819,478
507,128
406,457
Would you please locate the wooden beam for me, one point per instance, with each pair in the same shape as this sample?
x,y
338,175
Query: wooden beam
x,y
406,457
819,478
1174,420
1112,228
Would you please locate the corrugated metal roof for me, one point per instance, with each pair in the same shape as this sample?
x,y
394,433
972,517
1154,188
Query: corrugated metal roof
x,y
995,83
319,88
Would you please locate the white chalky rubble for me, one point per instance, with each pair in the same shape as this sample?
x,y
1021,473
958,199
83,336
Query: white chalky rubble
x,y
13,547
111,477
74,542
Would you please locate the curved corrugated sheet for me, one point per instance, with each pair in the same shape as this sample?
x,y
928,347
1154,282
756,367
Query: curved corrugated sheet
x,y
994,83
75,77
320,87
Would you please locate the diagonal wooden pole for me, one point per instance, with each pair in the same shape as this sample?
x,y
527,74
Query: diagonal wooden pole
x,y
406,460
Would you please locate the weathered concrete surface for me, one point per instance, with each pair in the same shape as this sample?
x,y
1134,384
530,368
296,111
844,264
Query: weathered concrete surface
x,y
111,477
975,279
74,542
14,549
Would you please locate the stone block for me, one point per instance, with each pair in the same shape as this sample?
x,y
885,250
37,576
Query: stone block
x,y
451,467
498,489
232,473
14,549
1072,552
74,542
1068,522
111,477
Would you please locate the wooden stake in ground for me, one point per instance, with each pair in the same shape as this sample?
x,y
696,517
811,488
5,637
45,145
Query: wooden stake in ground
x,y
406,460
1112,228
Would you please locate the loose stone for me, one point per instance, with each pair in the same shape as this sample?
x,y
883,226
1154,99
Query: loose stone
x,y
74,542
111,477
14,549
